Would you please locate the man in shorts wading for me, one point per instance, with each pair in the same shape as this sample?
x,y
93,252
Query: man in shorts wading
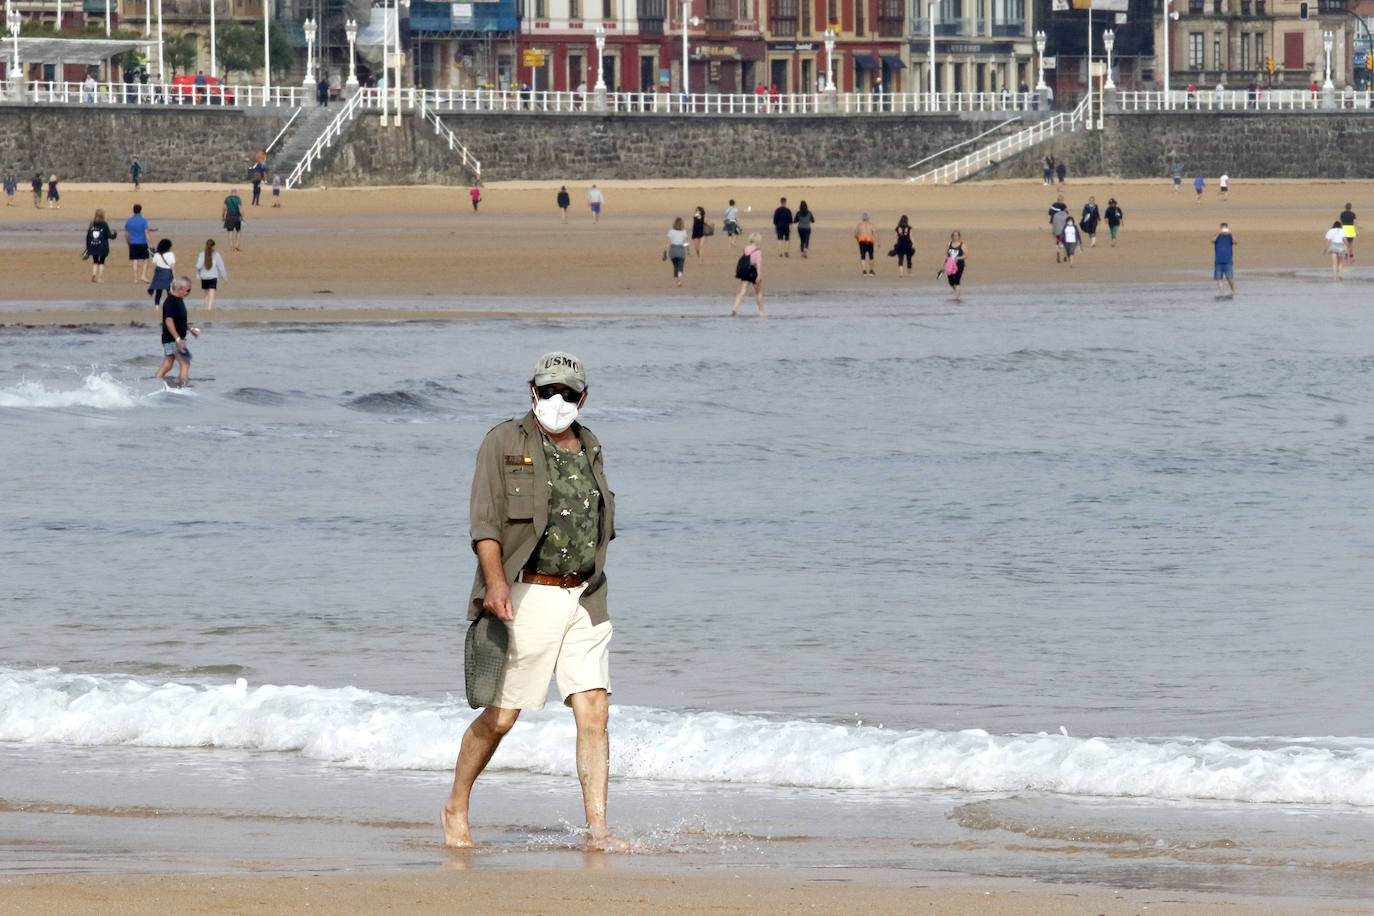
x,y
1348,228
541,516
232,215
136,234
782,227
174,329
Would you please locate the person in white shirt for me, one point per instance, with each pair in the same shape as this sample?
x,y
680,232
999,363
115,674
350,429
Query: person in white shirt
x,y
1335,246
210,269
594,200
1224,185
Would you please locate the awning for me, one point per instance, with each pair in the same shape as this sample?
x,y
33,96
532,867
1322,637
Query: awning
x,y
71,50
893,62
865,63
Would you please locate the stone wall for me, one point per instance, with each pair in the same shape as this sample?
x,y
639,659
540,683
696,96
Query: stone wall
x,y
95,143
568,147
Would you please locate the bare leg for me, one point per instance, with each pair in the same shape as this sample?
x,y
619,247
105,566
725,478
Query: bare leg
x,y
209,299
164,368
758,297
479,743
743,287
591,710
184,370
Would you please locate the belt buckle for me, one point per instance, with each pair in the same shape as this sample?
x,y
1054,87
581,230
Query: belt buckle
x,y
569,580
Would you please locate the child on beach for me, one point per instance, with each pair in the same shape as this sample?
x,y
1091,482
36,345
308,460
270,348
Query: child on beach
x,y
276,190
164,262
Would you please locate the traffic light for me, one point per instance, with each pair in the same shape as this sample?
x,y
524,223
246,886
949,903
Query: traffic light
x,y
1302,10
1269,64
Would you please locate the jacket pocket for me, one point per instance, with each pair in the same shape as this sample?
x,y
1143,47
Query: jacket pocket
x,y
520,496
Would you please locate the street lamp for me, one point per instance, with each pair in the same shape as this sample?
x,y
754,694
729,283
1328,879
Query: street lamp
x,y
829,82
1327,39
15,21
214,71
1040,86
351,32
600,65
1109,39
266,51
686,21
1167,40
930,57
309,26
400,59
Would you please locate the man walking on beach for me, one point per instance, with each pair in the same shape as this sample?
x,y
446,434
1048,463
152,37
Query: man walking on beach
x,y
594,200
864,233
135,170
1348,228
174,328
1223,264
136,234
1059,217
232,214
782,227
541,516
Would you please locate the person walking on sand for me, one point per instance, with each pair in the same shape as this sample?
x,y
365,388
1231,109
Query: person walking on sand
x,y
1224,260
210,269
676,249
540,518
98,236
37,185
782,227
564,202
805,219
731,222
1335,246
54,198
1070,240
1348,225
175,326
955,253
136,236
749,272
11,185
232,215
864,233
1198,185
1060,171
276,190
135,172
904,248
1059,216
595,199
256,180
476,195
1224,185
164,264
698,231
1088,220
1115,217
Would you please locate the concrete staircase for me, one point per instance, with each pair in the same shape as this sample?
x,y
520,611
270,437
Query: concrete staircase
x,y
307,128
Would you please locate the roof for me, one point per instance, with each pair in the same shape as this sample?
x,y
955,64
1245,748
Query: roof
x,y
70,50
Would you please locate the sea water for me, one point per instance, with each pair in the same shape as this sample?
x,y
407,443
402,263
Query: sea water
x,y
1070,583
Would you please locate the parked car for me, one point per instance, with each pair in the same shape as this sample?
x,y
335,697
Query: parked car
x,y
213,92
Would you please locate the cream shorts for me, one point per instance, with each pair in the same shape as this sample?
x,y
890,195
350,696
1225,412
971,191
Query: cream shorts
x,y
552,637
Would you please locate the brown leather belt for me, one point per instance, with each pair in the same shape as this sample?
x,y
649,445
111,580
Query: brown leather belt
x,y
567,580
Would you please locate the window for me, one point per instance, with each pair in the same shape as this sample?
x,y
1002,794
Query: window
x,y
1195,50
574,9
720,16
608,10
831,13
782,17
1217,62
541,9
1008,18
890,18
859,16
1259,48
1245,53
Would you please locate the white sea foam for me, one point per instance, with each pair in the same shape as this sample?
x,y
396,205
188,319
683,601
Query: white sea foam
x,y
367,730
98,390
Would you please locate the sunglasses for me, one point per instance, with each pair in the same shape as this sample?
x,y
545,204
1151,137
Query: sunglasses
x,y
552,391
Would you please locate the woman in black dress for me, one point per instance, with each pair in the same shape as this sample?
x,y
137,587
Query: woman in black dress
x,y
698,230
98,235
804,220
904,247
955,253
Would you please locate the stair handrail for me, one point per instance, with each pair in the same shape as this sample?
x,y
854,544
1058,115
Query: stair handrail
x,y
294,115
1060,122
470,162
325,140
973,139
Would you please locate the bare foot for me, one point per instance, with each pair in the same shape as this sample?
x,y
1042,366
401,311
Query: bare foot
x,y
604,841
456,832
763,314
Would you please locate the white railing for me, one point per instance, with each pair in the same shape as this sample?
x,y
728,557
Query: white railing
x,y
325,140
710,103
1243,99
470,162
74,93
1062,122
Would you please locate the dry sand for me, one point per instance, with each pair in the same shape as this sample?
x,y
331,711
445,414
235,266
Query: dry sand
x,y
398,247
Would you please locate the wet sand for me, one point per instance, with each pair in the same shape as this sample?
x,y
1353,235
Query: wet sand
x,y
422,252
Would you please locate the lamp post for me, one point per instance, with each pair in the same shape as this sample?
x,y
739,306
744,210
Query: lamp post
x,y
1327,39
599,90
930,57
1109,39
1040,86
15,21
400,59
266,51
351,33
107,18
829,60
1167,41
161,73
214,71
686,21
309,26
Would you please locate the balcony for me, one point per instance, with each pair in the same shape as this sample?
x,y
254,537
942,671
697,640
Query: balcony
x,y
891,28
783,27
722,26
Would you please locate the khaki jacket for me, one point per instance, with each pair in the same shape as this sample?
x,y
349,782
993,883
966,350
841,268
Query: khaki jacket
x,y
510,505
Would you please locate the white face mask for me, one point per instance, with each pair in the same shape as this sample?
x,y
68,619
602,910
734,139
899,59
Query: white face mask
x,y
554,414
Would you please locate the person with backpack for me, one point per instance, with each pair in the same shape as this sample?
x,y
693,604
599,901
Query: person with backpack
x,y
955,253
747,270
98,235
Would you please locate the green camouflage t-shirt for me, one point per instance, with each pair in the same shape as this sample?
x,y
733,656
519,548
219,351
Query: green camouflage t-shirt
x,y
569,541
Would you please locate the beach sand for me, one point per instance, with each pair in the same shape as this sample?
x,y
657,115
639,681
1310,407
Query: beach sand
x,y
607,890
422,253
